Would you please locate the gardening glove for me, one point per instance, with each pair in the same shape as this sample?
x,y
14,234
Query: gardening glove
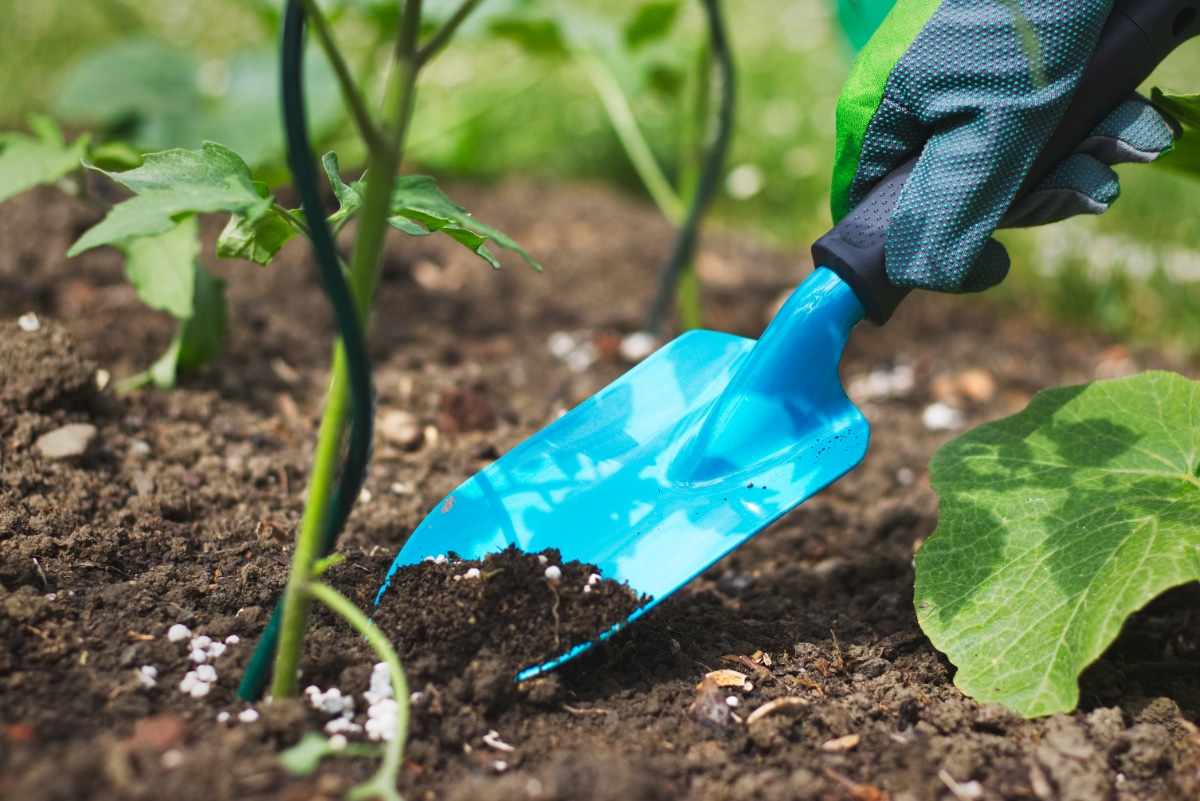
x,y
976,87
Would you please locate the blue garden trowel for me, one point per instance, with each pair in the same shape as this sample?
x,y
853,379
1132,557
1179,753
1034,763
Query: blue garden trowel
x,y
713,437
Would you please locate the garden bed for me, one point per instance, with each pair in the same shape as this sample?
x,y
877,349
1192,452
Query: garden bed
x,y
181,506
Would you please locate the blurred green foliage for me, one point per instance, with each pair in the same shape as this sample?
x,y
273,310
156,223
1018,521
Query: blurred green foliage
x,y
504,108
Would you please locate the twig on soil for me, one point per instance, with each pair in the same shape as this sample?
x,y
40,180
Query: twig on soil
x,y
584,712
967,791
41,573
857,791
554,614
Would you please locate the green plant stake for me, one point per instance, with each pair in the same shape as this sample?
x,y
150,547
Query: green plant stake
x,y
1054,526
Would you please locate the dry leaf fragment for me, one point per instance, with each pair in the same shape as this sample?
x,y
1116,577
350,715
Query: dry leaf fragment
x,y
844,743
710,708
787,706
725,678
856,790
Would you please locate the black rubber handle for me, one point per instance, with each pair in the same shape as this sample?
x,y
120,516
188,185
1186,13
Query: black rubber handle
x,y
1138,35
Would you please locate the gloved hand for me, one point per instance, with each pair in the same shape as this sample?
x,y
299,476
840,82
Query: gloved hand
x,y
977,87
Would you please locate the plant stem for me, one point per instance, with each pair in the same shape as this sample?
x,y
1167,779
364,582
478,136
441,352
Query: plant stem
x,y
350,94
383,163
442,35
384,781
299,225
625,124
297,596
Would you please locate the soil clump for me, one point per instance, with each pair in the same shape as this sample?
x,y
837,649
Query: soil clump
x,y
512,609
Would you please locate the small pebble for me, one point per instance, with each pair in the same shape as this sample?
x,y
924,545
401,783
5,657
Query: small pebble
x,y
206,673
232,639
553,573
542,559
940,417
148,676
172,759
29,322
66,442
223,717
248,715
472,573
178,632
637,346
402,429
337,742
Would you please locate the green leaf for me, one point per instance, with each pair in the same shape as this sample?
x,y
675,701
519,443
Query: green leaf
x,y
174,183
321,565
652,21
1185,108
256,241
1055,525
162,269
197,338
304,757
1185,157
136,88
349,196
541,36
417,198
201,334
28,161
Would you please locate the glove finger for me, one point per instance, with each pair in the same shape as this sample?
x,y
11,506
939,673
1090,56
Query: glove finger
x,y
990,268
963,180
1079,184
1134,131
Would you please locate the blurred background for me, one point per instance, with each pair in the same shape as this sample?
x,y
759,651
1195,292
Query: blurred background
x,y
516,95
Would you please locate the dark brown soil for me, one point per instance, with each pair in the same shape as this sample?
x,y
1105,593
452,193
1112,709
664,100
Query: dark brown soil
x,y
443,615
182,505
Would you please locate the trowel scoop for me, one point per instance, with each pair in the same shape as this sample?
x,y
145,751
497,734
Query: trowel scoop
x,y
676,463
713,437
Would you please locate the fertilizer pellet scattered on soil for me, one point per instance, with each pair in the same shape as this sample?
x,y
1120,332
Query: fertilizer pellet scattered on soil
x,y
523,610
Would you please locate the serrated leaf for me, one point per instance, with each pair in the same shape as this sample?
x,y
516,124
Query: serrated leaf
x,y
174,183
349,196
417,198
1185,108
162,269
408,226
1055,525
257,241
652,21
28,161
